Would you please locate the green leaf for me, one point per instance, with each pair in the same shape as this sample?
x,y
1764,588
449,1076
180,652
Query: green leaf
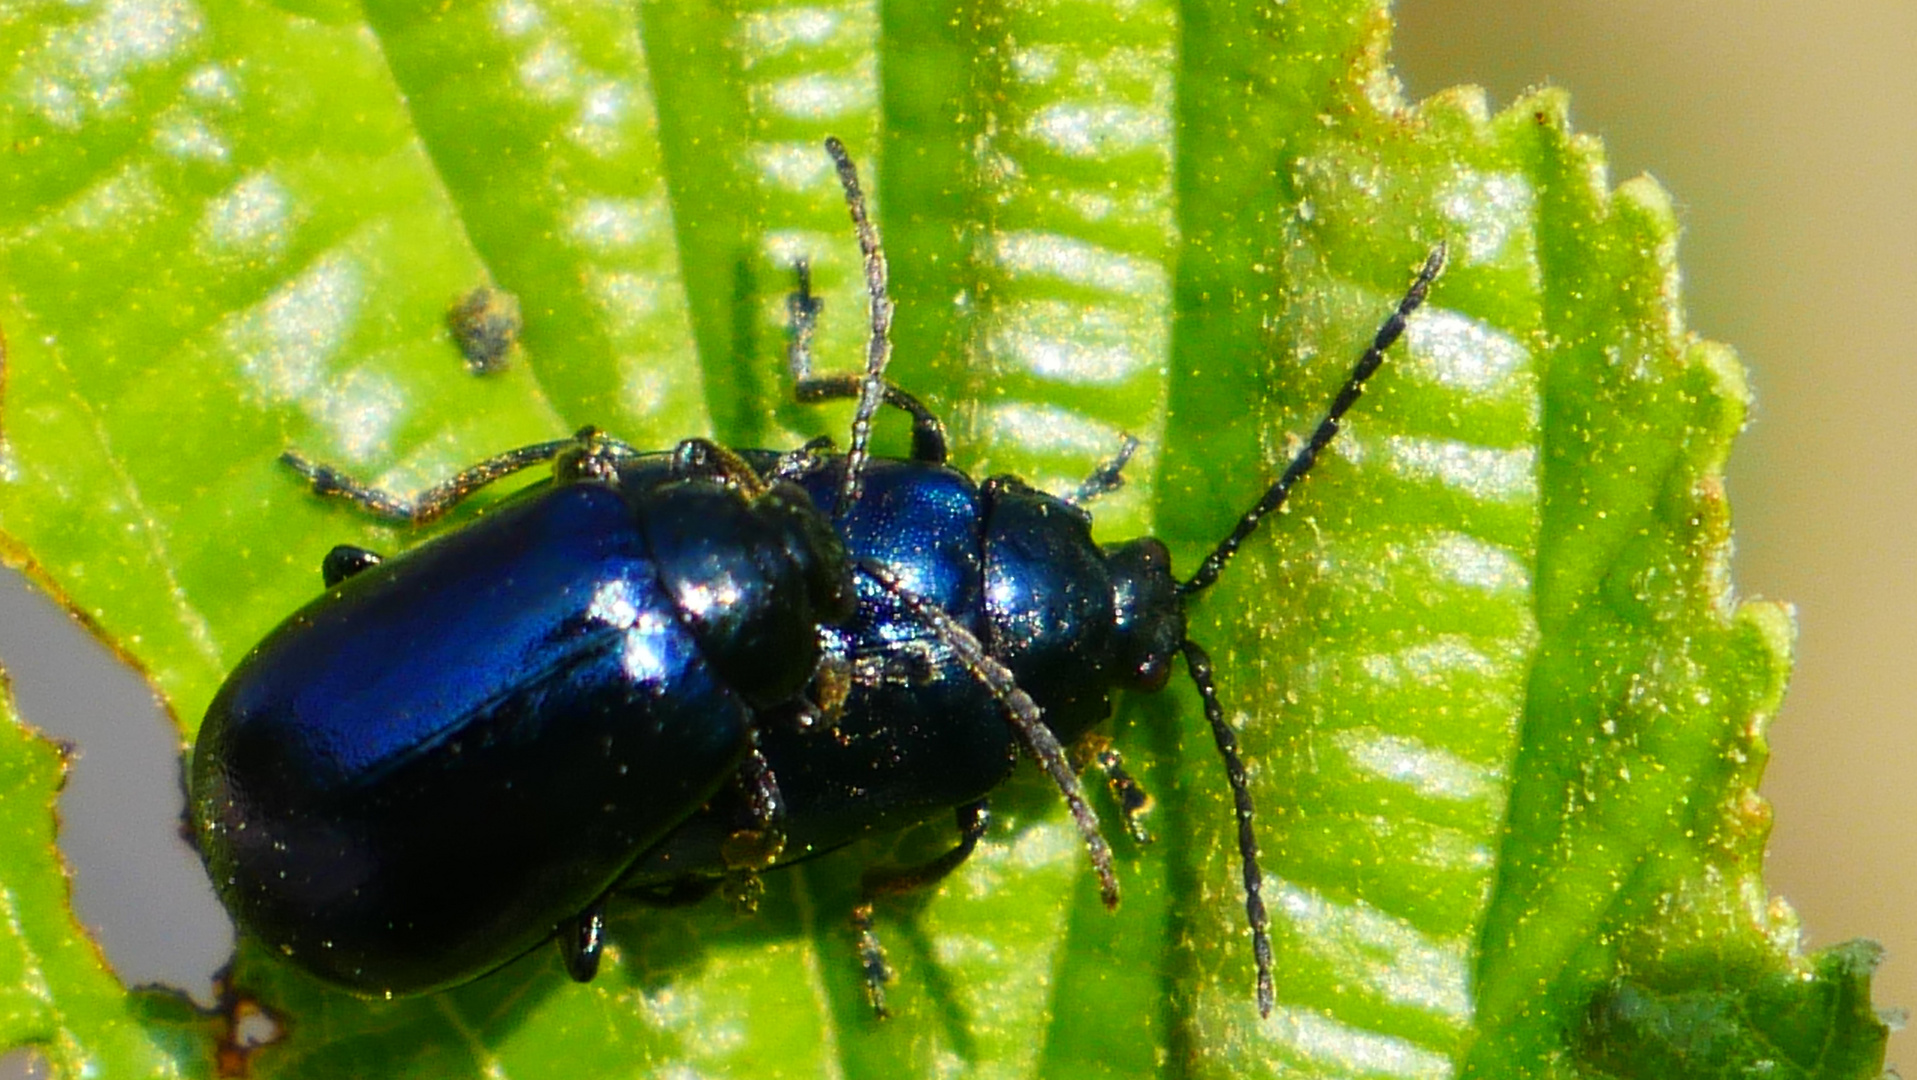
x,y
1737,1023
1504,712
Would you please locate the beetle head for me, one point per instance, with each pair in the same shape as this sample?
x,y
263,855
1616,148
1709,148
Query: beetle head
x,y
1148,613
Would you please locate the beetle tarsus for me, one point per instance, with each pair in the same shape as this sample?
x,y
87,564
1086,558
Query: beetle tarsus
x,y
871,960
1134,802
973,819
1108,477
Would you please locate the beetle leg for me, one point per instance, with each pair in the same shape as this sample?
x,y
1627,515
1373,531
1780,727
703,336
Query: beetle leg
x,y
1108,477
344,561
707,460
432,502
928,431
581,939
744,888
1134,802
756,847
796,465
802,309
831,686
802,320
871,958
591,455
973,818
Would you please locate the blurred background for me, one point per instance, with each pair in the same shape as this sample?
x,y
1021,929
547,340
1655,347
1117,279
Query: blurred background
x,y
1786,130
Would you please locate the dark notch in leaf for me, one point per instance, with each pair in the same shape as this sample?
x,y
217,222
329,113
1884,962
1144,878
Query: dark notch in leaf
x,y
57,994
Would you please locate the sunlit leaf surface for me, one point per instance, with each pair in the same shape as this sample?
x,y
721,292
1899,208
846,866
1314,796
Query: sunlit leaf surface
x,y
1504,710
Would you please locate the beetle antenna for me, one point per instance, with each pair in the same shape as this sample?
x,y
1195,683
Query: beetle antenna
x,y
1198,663
878,348
1354,388
432,503
1026,717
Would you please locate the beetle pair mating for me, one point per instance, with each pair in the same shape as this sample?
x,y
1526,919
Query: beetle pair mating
x,y
662,670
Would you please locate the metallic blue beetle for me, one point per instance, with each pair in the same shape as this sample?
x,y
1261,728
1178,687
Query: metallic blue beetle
x,y
658,671
423,772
